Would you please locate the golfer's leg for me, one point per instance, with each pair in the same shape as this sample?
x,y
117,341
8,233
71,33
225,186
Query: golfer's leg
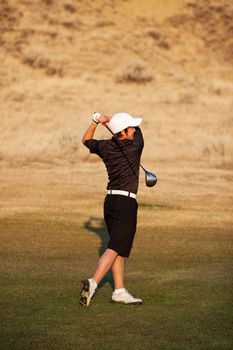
x,y
118,269
105,263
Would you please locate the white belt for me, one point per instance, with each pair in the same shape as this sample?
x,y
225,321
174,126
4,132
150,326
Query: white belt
x,y
123,193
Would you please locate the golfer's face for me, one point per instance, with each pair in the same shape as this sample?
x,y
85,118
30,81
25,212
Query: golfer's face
x,y
130,132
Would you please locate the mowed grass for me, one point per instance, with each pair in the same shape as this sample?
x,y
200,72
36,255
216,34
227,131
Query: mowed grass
x,y
183,275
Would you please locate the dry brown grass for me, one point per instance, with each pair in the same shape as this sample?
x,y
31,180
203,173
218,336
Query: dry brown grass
x,y
55,76
63,60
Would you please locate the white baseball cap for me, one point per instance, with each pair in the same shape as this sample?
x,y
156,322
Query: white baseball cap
x,y
121,121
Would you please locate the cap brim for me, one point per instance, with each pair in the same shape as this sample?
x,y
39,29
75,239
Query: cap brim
x,y
136,122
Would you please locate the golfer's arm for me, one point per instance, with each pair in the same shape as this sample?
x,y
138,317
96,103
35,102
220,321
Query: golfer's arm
x,y
89,133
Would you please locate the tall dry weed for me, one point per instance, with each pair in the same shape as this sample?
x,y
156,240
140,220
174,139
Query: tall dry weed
x,y
136,72
218,146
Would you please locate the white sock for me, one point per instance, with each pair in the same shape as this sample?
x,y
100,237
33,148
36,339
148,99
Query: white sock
x,y
91,280
119,290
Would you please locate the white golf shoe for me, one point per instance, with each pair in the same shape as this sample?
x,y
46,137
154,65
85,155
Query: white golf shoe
x,y
122,296
87,292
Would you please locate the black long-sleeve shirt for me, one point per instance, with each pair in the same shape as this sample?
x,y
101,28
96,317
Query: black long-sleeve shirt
x,y
122,163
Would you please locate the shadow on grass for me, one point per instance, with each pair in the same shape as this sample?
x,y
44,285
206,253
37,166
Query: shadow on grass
x,y
97,225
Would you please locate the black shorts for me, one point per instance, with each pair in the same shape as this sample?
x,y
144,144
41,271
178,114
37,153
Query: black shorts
x,y
120,215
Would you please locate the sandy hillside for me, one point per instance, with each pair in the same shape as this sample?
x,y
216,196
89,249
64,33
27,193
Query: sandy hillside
x,y
168,61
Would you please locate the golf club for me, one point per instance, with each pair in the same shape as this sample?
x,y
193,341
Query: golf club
x,y
150,178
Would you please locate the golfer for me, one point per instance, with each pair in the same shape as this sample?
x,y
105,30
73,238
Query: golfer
x,y
121,158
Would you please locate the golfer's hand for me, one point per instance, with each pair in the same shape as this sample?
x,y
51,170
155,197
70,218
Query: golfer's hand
x,y
103,119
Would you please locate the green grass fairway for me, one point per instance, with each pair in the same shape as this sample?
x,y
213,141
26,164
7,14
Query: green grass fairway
x,y
183,276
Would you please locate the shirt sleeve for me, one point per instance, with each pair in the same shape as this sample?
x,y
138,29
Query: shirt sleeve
x,y
94,146
138,138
